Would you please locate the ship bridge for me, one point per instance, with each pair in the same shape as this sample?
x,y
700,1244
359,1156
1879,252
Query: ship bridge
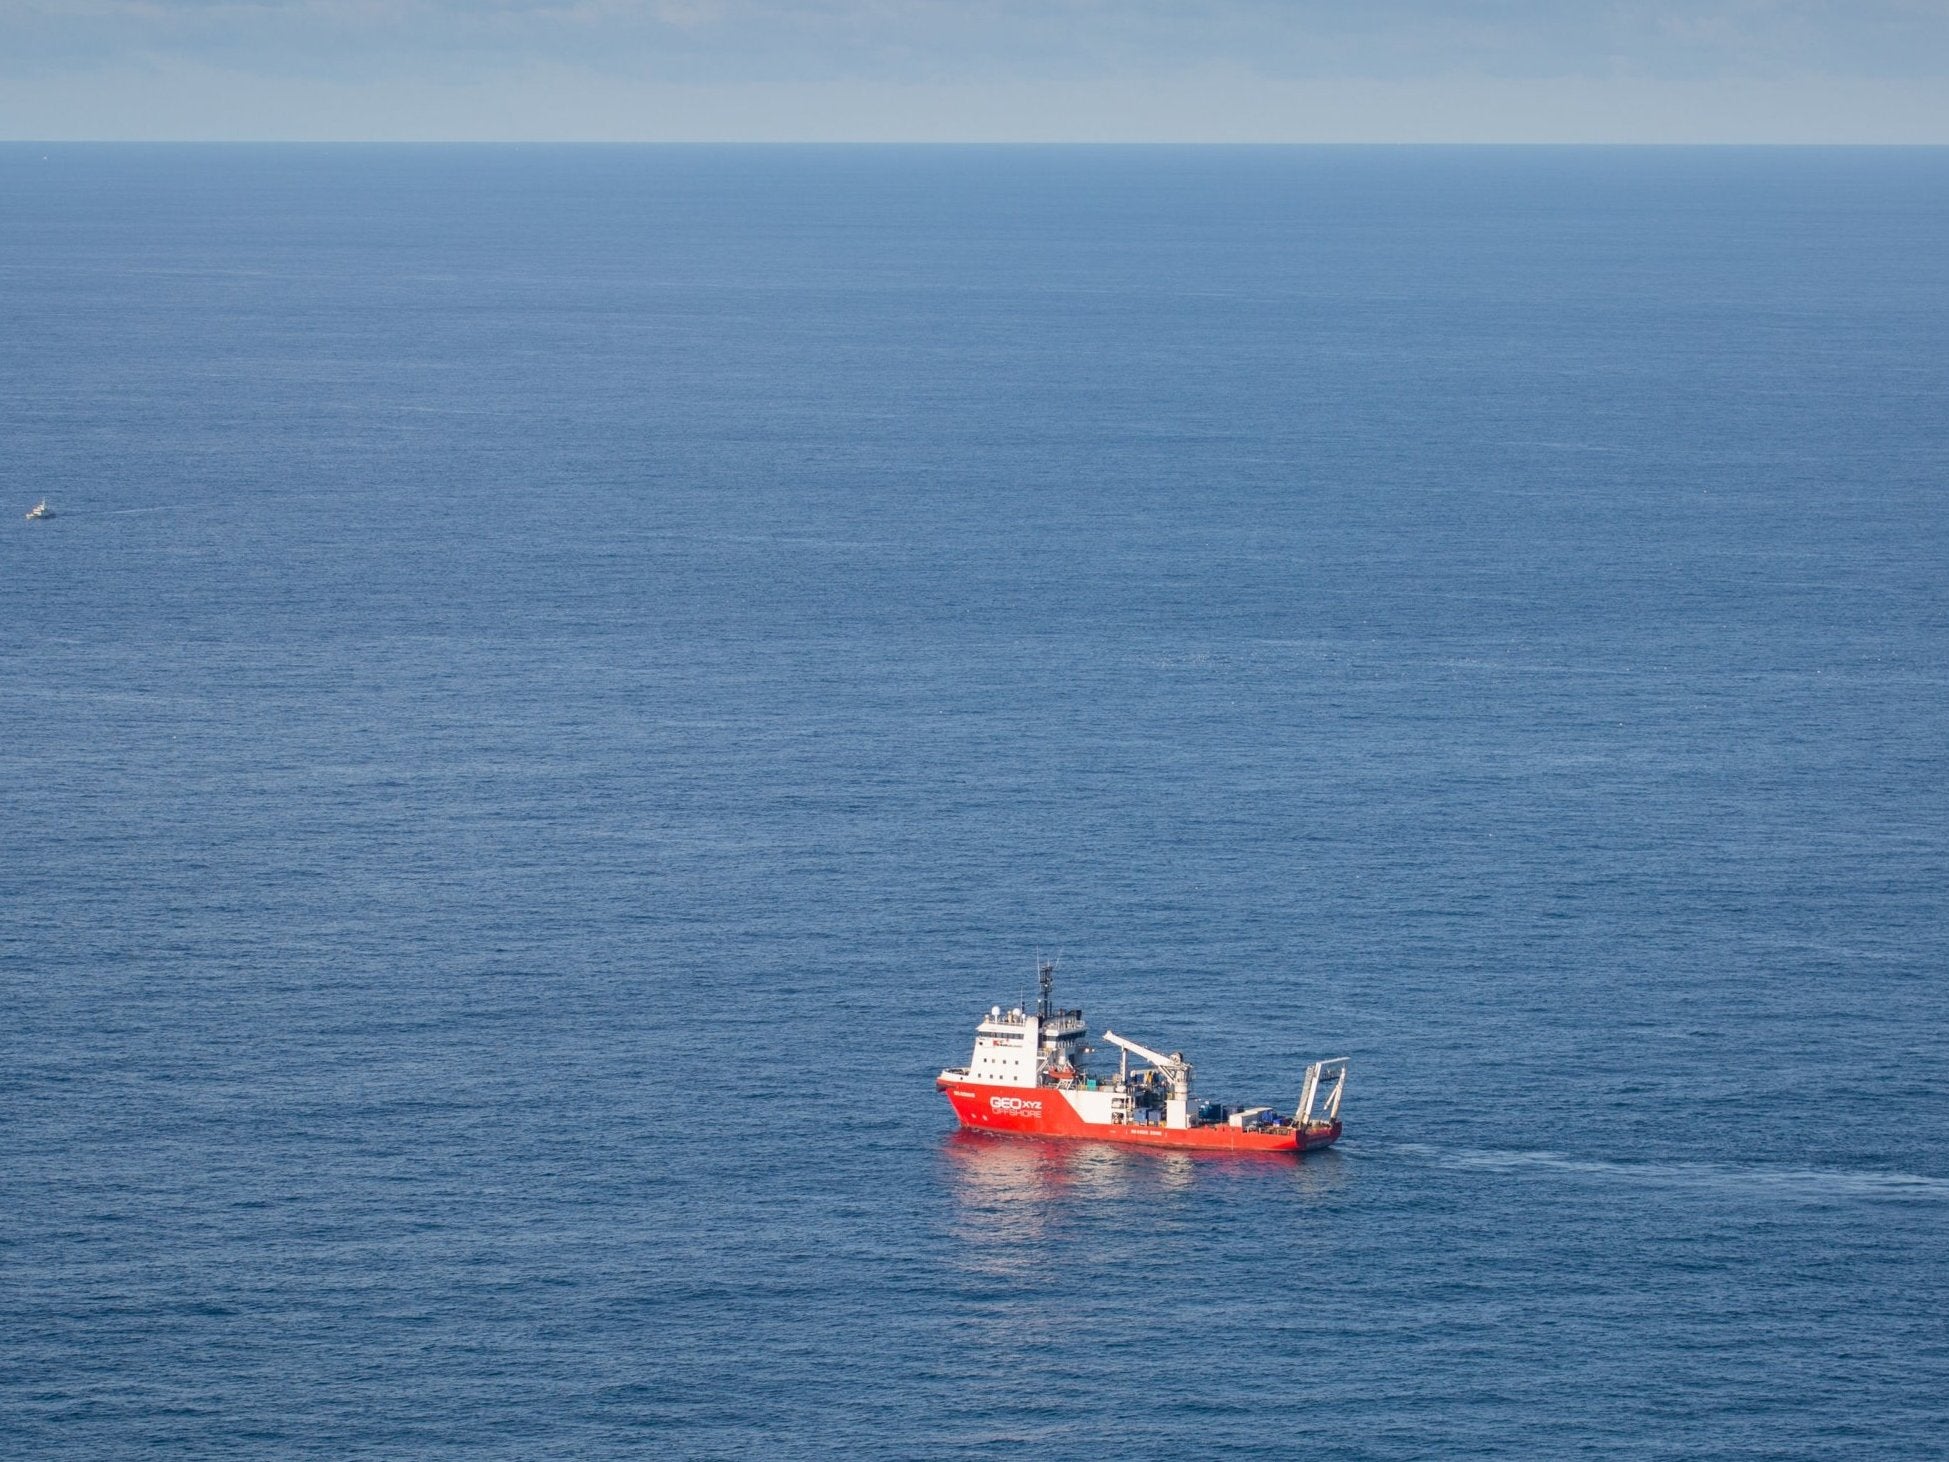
x,y
1017,1047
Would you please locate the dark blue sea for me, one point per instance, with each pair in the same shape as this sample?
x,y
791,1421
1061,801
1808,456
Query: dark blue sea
x,y
564,680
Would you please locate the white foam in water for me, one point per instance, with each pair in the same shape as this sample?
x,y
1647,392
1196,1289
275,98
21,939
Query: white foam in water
x,y
1797,1182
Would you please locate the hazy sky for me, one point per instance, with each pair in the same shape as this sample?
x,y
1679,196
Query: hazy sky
x,y
1085,70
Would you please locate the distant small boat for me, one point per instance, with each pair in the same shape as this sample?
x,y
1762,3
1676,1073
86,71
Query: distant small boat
x,y
39,510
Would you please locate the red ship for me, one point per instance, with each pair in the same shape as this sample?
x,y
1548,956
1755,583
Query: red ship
x,y
1026,1077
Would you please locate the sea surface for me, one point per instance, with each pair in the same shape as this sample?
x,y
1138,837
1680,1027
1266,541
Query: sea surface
x,y
564,680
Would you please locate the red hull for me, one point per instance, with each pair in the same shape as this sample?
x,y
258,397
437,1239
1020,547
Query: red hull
x,y
1041,1111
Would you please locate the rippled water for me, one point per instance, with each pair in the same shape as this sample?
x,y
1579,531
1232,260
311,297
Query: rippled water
x,y
565,679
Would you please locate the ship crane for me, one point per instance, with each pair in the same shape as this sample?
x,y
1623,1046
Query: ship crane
x,y
1173,1068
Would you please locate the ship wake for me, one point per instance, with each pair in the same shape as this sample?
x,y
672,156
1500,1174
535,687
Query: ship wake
x,y
1724,1177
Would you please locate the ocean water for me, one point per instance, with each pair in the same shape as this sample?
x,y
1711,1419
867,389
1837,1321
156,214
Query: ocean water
x,y
565,679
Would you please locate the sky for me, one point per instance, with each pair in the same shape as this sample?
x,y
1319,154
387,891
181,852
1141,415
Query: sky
x,y
977,70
